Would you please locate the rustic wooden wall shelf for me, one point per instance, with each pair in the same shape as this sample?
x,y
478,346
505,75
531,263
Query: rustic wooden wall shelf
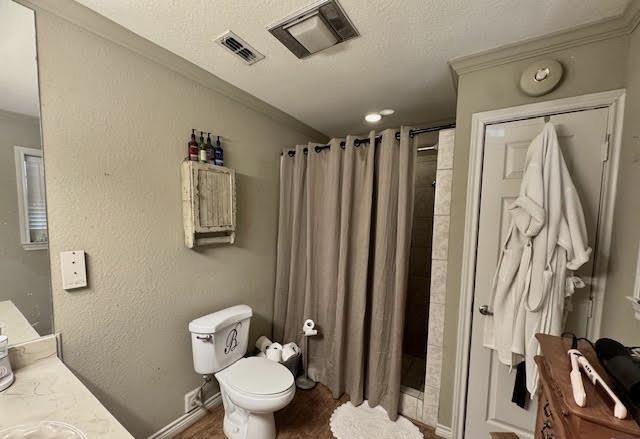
x,y
208,204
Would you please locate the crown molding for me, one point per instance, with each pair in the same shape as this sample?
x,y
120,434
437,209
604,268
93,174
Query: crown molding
x,y
97,24
621,25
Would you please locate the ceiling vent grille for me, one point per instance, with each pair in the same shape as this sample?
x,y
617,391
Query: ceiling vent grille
x,y
236,45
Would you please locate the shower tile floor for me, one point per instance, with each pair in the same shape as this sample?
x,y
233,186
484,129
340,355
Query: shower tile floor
x,y
307,417
413,371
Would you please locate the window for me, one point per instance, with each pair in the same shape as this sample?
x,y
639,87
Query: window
x,y
32,206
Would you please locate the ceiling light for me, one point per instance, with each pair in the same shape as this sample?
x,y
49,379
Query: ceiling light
x,y
387,112
373,117
313,34
317,27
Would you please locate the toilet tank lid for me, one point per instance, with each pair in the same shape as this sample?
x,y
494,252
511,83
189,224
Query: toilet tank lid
x,y
213,322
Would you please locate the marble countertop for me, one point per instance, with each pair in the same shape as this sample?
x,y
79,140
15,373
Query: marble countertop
x,y
17,327
47,390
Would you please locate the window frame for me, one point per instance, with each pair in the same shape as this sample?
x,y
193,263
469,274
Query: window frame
x,y
21,183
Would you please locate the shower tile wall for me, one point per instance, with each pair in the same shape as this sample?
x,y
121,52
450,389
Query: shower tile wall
x,y
442,215
415,333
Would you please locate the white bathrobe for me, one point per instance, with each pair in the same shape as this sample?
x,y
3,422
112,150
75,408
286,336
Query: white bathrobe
x,y
546,241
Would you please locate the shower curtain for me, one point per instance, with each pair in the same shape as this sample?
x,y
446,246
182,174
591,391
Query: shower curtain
x,y
342,260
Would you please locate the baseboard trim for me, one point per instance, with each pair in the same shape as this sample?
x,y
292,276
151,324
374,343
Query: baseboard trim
x,y
443,431
186,420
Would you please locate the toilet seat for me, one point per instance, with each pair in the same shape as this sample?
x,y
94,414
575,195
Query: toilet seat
x,y
258,377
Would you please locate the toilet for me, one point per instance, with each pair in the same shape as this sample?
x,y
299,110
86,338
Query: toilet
x,y
252,388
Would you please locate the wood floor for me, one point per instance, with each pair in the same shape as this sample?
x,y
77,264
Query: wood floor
x,y
307,417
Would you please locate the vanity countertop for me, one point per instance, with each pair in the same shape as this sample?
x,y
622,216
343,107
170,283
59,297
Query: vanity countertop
x,y
47,390
17,326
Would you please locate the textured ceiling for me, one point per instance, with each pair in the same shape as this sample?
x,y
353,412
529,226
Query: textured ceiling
x,y
399,61
18,74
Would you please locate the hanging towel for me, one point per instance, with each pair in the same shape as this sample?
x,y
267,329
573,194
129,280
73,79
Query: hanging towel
x,y
520,396
546,241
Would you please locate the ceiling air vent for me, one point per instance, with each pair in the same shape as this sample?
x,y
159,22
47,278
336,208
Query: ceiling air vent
x,y
314,28
239,47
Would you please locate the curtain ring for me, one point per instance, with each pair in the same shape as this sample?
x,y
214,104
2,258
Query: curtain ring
x,y
317,148
291,153
356,143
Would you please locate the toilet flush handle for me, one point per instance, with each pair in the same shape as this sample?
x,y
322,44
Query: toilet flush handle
x,y
206,338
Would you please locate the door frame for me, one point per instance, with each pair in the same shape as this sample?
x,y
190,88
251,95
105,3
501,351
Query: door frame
x,y
614,100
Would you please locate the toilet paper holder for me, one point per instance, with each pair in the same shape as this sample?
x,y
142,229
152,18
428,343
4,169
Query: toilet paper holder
x,y
303,381
308,329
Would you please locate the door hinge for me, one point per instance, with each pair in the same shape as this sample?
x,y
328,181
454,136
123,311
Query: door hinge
x,y
605,148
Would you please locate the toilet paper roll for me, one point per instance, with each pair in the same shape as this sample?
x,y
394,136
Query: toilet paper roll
x,y
307,328
274,354
289,350
261,355
308,325
263,343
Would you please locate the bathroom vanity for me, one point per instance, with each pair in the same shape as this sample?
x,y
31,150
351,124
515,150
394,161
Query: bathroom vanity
x,y
46,390
13,322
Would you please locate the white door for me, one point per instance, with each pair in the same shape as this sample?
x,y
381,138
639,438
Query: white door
x,y
582,135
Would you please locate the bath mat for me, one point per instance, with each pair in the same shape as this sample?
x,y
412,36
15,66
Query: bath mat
x,y
364,422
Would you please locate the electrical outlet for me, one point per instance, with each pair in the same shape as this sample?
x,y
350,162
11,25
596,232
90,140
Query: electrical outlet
x,y
191,400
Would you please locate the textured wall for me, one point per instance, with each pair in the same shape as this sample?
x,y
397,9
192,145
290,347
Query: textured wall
x,y
24,275
589,68
618,321
115,126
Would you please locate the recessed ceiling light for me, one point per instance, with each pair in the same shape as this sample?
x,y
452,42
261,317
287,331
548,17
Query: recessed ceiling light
x,y
373,117
387,112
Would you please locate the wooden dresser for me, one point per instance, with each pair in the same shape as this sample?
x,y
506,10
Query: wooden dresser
x,y
559,417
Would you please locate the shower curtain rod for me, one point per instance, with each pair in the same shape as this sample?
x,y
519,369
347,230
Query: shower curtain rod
x,y
358,142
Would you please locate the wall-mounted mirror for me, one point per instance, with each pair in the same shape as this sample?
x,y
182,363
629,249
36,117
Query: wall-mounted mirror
x,y
25,286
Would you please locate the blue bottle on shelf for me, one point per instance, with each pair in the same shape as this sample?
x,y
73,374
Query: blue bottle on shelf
x,y
218,153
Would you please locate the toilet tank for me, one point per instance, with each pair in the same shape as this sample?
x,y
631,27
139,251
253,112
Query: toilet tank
x,y
220,339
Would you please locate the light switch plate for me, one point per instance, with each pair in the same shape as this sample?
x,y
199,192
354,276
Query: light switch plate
x,y
74,270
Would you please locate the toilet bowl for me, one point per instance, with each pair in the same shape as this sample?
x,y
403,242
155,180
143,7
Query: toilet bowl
x,y
252,390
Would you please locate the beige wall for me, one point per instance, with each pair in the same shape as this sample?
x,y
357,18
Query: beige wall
x,y
24,274
115,127
589,68
618,321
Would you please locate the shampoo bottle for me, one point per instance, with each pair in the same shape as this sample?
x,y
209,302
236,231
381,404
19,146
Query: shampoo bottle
x,y
202,149
209,150
218,153
193,147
